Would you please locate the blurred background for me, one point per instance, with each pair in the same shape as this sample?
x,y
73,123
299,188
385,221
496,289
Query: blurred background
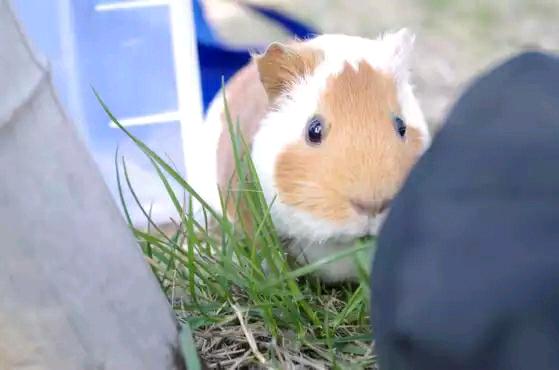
x,y
455,38
138,55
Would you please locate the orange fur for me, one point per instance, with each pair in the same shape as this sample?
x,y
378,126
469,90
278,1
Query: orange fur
x,y
361,158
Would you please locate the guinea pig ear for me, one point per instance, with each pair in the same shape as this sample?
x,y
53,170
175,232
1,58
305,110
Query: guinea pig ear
x,y
401,46
280,66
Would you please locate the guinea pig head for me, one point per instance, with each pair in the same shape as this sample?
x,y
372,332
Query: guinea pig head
x,y
343,131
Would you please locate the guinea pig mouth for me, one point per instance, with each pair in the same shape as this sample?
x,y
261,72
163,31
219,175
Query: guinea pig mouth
x,y
373,222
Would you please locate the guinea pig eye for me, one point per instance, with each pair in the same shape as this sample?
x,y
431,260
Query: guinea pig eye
x,y
315,128
400,125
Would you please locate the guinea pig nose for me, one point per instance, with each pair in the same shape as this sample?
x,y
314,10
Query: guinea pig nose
x,y
369,208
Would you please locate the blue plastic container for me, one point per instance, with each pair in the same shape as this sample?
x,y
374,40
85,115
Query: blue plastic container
x,y
126,54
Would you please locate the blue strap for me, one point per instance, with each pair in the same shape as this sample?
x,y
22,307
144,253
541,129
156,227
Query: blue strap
x,y
219,61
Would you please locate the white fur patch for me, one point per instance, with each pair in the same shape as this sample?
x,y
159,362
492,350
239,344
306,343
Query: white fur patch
x,y
312,249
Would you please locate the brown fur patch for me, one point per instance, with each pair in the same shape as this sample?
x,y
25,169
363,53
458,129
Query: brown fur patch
x,y
249,95
281,65
362,156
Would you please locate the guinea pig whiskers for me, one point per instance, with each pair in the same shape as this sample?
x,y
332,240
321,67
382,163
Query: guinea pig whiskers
x,y
238,190
307,185
296,243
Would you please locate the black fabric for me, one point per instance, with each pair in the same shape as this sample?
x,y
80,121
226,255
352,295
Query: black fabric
x,y
466,274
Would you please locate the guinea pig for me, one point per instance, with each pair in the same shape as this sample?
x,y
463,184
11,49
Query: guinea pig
x,y
333,128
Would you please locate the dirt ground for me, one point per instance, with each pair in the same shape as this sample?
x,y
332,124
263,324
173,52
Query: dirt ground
x,y
455,39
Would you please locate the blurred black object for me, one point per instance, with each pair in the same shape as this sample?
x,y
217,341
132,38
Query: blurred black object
x,y
466,275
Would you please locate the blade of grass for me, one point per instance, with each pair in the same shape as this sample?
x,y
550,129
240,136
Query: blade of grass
x,y
188,348
157,158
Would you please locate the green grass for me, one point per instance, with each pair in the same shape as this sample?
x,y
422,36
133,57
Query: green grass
x,y
242,298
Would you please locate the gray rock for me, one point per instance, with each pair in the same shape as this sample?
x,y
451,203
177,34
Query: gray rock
x,y
75,291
